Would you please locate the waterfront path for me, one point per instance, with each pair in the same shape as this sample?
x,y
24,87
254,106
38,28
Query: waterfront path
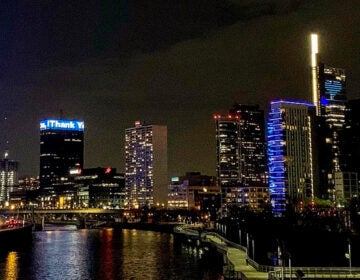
x,y
235,256
240,266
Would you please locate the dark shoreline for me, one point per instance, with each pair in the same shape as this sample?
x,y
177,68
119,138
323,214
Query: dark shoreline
x,y
16,236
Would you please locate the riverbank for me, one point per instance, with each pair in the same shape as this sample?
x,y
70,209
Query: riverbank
x,y
16,235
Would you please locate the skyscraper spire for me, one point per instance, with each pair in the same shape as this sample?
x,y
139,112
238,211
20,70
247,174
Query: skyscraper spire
x,y
314,65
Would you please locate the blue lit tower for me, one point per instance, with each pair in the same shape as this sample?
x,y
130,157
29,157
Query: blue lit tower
x,y
61,149
290,155
146,166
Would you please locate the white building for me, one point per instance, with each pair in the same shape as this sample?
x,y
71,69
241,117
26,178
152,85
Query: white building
x,y
146,166
8,178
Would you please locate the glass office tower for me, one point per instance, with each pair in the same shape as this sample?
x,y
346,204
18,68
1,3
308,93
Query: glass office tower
x,y
61,149
228,159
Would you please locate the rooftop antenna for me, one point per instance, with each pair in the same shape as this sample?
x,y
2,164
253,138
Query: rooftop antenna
x,y
6,153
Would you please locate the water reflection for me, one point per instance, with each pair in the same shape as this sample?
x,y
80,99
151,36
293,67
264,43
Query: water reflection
x,y
107,254
11,267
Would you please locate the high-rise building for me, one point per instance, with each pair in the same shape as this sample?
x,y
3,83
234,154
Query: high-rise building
x,y
291,154
8,178
252,145
228,159
61,149
352,138
329,97
241,154
146,166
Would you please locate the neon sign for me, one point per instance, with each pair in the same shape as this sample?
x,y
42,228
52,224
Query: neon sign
x,y
74,125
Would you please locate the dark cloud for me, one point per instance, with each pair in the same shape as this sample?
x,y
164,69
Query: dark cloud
x,y
169,62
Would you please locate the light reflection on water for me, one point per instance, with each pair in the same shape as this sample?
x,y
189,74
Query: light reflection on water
x,y
106,254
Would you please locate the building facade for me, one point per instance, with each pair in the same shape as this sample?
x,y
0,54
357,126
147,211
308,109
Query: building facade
x,y
61,149
330,99
146,166
8,178
252,145
195,191
100,187
241,154
228,160
291,158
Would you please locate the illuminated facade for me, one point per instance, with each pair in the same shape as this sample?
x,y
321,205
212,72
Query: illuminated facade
x,y
146,166
228,159
8,178
241,154
61,149
100,188
290,154
252,145
195,192
346,187
329,97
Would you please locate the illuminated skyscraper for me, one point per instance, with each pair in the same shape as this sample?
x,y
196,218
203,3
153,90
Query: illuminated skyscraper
x,y
329,97
241,154
290,154
228,159
146,166
8,178
61,149
252,145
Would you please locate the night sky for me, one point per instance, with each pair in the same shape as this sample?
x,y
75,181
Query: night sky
x,y
174,63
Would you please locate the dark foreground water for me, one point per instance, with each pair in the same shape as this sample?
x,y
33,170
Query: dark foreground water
x,y
107,254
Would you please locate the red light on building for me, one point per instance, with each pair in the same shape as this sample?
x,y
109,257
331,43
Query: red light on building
x,y
107,170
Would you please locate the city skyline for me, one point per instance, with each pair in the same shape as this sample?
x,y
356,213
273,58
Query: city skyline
x,y
180,85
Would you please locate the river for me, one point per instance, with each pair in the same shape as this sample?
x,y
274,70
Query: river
x,y
107,254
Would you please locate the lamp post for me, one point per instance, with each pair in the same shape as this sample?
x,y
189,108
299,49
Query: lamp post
x,y
253,248
349,255
247,245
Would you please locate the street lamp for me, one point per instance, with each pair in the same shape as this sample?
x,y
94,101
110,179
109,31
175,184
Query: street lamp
x,y
348,255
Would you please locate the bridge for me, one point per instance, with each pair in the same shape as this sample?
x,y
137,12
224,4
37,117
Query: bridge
x,y
82,218
14,212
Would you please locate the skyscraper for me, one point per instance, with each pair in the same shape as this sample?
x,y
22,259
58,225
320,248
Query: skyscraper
x,y
61,149
241,154
252,145
146,166
8,178
290,154
228,159
329,97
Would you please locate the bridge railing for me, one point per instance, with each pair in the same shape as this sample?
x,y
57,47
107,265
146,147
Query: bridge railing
x,y
314,273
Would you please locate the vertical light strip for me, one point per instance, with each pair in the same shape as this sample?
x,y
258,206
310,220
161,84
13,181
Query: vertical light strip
x,y
314,52
311,159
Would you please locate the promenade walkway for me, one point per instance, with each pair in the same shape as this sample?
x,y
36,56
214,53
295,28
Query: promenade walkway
x,y
236,258
240,266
